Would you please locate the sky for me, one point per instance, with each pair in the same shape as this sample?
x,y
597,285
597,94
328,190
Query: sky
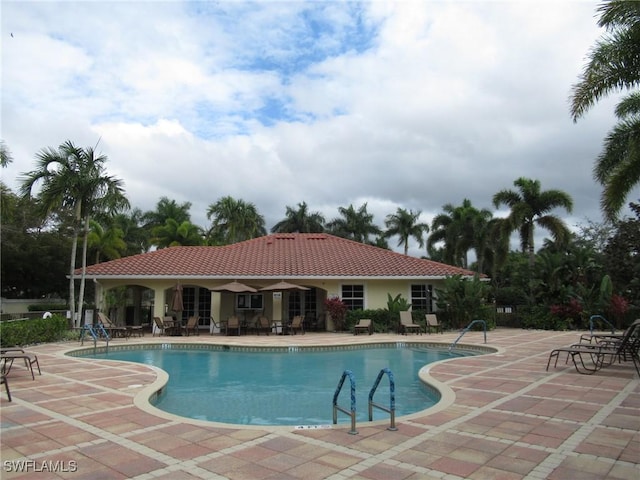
x,y
406,104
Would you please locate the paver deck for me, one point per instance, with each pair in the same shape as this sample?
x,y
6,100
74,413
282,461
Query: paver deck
x,y
504,417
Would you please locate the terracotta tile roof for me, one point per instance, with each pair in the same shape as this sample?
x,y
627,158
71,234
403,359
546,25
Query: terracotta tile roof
x,y
276,256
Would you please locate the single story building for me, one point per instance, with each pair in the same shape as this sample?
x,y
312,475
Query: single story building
x,y
134,289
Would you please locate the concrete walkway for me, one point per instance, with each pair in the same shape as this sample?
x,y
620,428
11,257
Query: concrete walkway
x,y
503,417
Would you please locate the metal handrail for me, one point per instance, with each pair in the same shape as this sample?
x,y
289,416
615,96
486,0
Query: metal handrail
x,y
88,328
467,328
101,332
600,317
392,398
336,407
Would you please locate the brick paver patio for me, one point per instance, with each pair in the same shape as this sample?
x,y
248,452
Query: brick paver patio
x,y
503,417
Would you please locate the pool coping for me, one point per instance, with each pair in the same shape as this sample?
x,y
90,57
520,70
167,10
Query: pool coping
x,y
143,399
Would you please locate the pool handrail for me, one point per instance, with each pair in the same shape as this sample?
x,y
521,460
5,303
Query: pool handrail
x,y
600,317
336,407
392,398
467,328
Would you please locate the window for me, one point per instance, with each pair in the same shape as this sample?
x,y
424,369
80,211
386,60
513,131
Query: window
x,y
204,306
353,296
421,297
249,301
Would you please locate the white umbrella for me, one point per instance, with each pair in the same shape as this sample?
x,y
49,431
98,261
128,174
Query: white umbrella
x,y
282,286
235,287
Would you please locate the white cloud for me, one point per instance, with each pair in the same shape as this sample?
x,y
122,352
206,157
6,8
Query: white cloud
x,y
399,104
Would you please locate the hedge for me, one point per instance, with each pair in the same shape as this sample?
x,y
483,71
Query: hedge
x,y
17,333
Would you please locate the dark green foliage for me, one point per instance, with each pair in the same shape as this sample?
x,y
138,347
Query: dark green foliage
x,y
44,307
29,332
382,322
464,299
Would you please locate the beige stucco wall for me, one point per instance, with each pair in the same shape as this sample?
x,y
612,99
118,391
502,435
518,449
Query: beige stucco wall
x,y
223,304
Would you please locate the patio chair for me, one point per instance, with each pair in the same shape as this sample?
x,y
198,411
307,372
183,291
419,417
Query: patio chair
x,y
158,326
603,353
233,325
297,325
364,325
3,380
112,329
432,322
263,324
407,325
8,357
192,325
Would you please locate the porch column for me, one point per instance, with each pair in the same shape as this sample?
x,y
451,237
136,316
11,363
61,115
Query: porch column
x,y
216,311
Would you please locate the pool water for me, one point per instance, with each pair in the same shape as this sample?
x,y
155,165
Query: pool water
x,y
285,388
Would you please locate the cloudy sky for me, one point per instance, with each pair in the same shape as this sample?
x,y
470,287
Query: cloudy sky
x,y
410,104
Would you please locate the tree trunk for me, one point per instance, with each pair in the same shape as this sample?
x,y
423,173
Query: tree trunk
x,y
72,278
85,241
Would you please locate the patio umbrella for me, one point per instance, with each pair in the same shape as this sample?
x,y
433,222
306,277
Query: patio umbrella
x,y
235,287
176,303
282,286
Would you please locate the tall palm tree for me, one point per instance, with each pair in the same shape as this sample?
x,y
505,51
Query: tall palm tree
x,y
300,221
530,207
614,66
355,225
235,220
460,229
74,179
405,224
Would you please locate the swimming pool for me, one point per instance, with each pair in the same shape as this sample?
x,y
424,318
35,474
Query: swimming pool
x,y
284,386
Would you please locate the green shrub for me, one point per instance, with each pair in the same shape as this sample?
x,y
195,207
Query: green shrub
x,y
44,307
541,318
380,318
30,331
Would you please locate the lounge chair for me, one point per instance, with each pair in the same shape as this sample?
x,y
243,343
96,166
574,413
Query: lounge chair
x,y
603,353
364,325
192,325
297,325
7,358
111,328
3,380
158,326
407,325
431,322
263,324
233,325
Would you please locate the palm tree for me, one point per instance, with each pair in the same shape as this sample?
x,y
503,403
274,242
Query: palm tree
x,y
614,66
355,225
173,234
618,166
136,236
108,242
74,179
300,221
235,220
165,209
530,207
5,155
461,229
405,225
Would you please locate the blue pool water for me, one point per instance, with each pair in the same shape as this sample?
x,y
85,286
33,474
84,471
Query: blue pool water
x,y
284,388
